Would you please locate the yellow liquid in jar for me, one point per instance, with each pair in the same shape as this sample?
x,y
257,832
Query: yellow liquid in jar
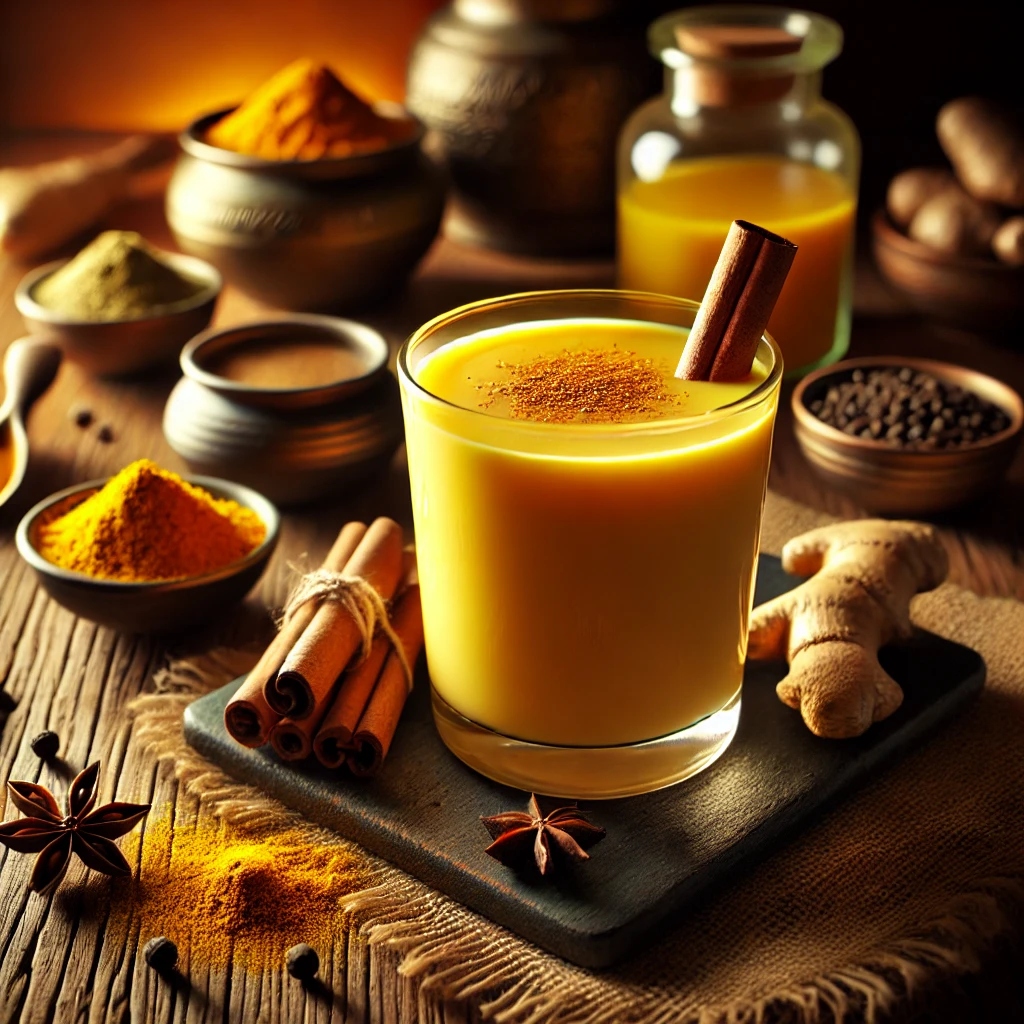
x,y
577,594
671,232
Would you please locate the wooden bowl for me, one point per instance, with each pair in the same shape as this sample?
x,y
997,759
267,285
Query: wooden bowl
x,y
895,481
162,606
977,294
114,348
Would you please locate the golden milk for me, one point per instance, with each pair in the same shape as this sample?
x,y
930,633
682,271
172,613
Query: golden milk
x,y
671,232
6,456
585,583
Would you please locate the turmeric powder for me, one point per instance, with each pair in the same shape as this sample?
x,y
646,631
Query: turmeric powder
x,y
305,113
222,894
147,524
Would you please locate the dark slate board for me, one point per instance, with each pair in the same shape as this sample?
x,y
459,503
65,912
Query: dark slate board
x,y
663,850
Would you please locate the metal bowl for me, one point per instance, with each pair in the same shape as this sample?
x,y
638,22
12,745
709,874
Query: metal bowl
x,y
159,607
119,347
295,445
898,482
307,234
977,294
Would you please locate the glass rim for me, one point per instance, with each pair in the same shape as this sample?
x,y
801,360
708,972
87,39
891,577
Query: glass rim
x,y
752,399
822,37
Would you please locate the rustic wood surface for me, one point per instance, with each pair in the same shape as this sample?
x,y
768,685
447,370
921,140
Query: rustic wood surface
x,y
58,957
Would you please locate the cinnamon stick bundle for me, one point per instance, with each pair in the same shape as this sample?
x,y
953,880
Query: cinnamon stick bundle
x,y
738,303
335,740
305,683
376,729
350,706
249,716
334,737
291,737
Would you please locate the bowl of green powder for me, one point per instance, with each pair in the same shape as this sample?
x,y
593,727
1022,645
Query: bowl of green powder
x,y
120,305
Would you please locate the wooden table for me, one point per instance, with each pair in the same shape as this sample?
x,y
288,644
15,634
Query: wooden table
x,y
75,678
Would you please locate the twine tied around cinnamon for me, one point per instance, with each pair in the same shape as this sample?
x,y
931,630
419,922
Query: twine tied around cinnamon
x,y
368,609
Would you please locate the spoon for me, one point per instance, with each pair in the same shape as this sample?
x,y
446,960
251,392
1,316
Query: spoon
x,y
29,369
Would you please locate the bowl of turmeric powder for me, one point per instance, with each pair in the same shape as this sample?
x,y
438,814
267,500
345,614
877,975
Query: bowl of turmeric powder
x,y
147,551
305,196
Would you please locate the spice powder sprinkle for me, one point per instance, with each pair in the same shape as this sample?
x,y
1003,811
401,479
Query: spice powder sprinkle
x,y
607,385
223,894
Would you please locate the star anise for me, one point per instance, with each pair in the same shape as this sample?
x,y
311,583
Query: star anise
x,y
83,830
521,837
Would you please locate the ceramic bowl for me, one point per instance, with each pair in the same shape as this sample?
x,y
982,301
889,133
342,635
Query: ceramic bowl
x,y
160,607
294,444
897,482
120,347
976,294
307,234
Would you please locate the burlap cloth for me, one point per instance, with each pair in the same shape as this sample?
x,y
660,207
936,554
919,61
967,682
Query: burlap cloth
x,y
901,894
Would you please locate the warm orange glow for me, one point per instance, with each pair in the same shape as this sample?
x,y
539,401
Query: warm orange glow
x,y
157,64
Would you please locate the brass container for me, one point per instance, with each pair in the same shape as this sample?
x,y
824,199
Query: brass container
x,y
895,481
306,234
524,100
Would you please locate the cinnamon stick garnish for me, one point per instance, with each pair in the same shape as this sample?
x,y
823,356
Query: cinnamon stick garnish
x,y
250,715
312,667
376,727
738,303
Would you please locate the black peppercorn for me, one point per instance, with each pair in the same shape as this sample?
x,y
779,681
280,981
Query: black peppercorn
x,y
46,745
903,408
82,417
302,962
160,953
106,433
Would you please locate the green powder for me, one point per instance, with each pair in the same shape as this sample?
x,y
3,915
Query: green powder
x,y
117,276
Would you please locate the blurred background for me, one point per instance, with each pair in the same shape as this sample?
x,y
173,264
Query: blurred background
x,y
115,65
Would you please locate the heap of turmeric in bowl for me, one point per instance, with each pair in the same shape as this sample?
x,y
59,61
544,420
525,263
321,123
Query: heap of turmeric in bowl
x,y
304,112
147,524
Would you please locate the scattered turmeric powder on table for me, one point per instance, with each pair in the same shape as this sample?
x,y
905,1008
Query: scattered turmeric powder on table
x,y
224,894
148,524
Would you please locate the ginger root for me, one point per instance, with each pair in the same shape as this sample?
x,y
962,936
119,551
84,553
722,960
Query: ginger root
x,y
985,145
911,189
831,627
955,223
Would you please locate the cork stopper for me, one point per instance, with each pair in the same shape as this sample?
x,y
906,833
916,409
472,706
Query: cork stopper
x,y
736,42
732,87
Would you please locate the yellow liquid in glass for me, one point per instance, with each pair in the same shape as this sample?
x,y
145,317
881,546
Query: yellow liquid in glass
x,y
580,587
671,232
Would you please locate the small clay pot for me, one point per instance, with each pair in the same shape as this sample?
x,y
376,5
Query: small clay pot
x,y
293,444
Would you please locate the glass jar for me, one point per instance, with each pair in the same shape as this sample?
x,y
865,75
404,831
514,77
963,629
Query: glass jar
x,y
742,132
535,539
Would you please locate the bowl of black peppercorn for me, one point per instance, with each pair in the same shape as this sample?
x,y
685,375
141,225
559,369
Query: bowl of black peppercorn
x,y
907,436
